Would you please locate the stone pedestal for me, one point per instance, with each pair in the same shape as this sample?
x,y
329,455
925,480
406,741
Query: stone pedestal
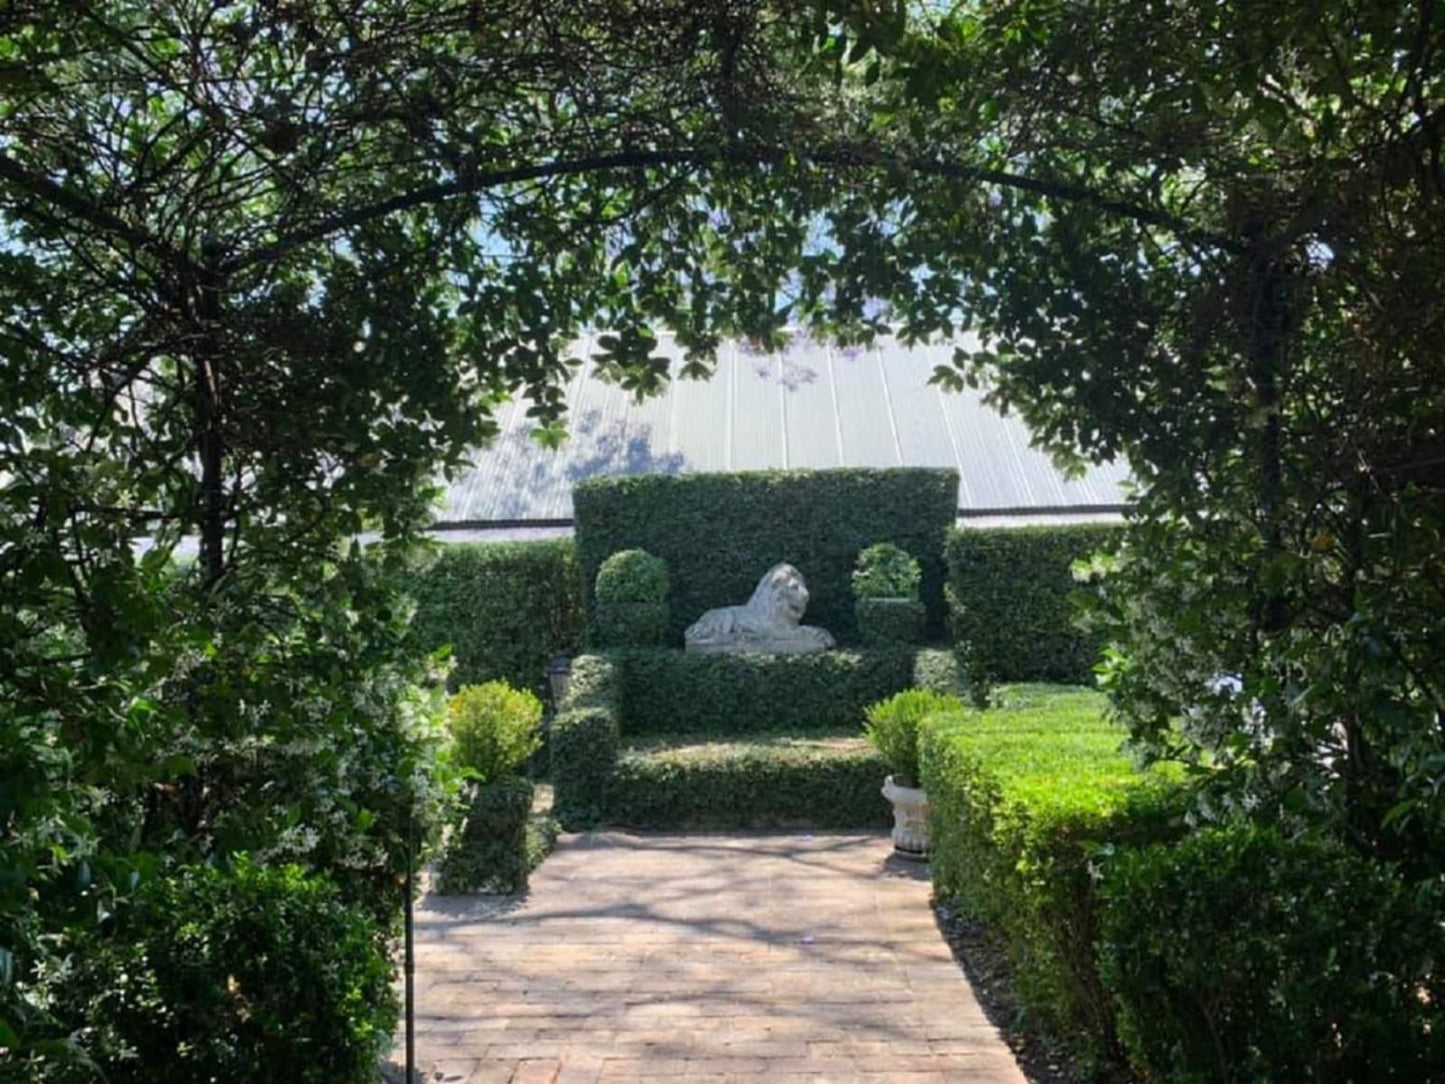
x,y
910,819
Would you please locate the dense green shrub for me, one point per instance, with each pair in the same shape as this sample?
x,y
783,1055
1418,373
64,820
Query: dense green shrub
x,y
489,850
630,607
678,692
720,532
495,729
883,621
764,781
584,740
1238,955
632,576
940,671
248,976
1023,797
1008,591
892,728
630,624
504,607
884,570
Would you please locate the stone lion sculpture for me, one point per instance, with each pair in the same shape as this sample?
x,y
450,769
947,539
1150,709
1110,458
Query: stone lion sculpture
x,y
769,621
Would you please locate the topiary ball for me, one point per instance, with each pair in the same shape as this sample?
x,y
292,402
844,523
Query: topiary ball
x,y
632,576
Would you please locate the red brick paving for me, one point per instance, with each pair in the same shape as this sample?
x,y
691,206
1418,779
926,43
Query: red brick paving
x,y
790,958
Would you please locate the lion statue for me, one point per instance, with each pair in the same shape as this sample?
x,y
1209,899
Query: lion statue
x,y
769,621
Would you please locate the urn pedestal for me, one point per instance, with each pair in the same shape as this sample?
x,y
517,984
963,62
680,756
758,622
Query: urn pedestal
x,y
910,819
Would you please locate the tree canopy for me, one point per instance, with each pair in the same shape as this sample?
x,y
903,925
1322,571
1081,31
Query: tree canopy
x,y
266,268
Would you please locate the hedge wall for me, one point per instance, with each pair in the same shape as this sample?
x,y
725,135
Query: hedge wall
x,y
678,692
720,532
767,782
505,608
1024,796
1008,592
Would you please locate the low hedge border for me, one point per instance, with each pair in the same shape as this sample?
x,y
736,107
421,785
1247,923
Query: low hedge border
x,y
666,692
1025,796
709,697
584,740
777,781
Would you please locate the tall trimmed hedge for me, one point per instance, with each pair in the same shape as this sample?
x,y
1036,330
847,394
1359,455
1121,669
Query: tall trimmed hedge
x,y
719,533
1008,592
505,608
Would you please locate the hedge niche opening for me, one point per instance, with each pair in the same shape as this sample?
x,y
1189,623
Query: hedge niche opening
x,y
719,532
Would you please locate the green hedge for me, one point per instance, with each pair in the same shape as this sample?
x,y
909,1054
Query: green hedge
x,y
248,975
883,621
488,850
584,740
768,781
1008,591
504,607
719,533
682,692
1239,955
1024,795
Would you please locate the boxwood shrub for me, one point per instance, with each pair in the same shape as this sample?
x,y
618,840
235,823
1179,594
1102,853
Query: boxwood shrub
x,y
883,621
584,740
1008,591
1024,797
719,533
679,692
764,781
1240,955
489,850
504,607
249,976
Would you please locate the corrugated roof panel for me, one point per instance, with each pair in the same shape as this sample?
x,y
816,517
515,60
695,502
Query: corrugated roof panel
x,y
864,418
757,412
810,416
811,406
700,419
923,436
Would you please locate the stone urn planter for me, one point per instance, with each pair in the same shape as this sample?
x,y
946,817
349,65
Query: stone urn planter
x,y
910,819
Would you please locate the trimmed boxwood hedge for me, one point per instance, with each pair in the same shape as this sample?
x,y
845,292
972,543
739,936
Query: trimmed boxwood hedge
x,y
719,533
767,781
1239,954
1023,798
584,740
682,692
504,607
745,698
1008,592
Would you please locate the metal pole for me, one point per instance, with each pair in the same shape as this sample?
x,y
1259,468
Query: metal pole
x,y
409,967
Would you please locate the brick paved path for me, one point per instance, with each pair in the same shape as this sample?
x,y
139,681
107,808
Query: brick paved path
x,y
748,957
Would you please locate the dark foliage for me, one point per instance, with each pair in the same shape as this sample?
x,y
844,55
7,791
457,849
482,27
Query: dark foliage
x,y
505,608
1008,591
1240,955
489,851
889,620
248,976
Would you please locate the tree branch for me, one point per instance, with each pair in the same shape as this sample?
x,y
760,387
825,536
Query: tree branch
x,y
78,206
840,156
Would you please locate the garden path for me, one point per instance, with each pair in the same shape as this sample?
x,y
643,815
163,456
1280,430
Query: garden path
x,y
778,957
